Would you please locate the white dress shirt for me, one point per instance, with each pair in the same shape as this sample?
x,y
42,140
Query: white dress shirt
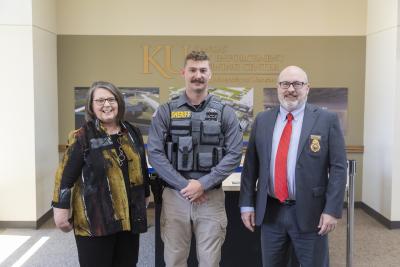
x,y
297,122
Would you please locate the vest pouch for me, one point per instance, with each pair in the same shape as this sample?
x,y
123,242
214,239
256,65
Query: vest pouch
x,y
218,154
204,161
169,149
210,132
185,153
181,127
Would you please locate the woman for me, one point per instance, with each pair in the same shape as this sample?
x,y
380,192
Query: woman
x,y
104,176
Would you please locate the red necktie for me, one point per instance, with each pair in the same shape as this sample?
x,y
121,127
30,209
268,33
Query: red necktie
x,y
281,190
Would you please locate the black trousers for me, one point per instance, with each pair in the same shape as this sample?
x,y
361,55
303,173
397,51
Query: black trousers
x,y
117,250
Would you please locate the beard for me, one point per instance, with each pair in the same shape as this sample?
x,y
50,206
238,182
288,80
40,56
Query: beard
x,y
291,105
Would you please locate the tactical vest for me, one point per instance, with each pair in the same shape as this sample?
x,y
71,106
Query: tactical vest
x,y
195,140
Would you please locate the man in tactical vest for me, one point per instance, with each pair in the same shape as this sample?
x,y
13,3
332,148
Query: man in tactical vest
x,y
194,143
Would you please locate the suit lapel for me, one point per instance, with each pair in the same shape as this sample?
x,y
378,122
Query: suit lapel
x,y
269,130
310,116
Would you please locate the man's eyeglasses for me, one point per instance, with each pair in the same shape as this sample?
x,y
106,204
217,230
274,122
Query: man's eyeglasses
x,y
102,101
296,85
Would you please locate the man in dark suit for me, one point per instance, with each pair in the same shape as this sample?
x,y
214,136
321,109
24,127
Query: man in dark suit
x,y
294,176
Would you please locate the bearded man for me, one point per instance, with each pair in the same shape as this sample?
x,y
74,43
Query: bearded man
x,y
294,175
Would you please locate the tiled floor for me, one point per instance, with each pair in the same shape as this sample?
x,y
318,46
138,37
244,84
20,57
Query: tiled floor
x,y
374,244
60,250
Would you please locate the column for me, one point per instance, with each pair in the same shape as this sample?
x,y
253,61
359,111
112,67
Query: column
x,y
381,181
29,131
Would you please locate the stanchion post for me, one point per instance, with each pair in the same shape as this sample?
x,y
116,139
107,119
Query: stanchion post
x,y
351,171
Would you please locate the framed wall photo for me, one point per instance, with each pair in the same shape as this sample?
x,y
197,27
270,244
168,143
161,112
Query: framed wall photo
x,y
333,99
140,104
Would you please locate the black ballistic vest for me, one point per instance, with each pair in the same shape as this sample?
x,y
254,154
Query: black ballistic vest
x,y
195,140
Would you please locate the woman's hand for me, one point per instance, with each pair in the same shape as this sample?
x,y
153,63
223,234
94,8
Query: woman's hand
x,y
61,217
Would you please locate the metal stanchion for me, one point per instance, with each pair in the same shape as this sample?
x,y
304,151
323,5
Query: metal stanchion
x,y
351,171
156,189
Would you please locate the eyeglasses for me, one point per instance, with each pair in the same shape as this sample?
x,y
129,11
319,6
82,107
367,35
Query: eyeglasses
x,y
102,101
296,85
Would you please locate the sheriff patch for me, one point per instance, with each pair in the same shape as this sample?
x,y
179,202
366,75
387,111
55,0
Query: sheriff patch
x,y
181,114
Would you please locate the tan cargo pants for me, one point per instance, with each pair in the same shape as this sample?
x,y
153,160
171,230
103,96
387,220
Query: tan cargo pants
x,y
179,218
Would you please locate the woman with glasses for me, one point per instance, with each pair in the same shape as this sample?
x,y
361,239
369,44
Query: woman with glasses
x,y
101,185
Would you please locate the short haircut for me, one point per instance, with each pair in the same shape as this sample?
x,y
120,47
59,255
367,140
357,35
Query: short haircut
x,y
89,114
197,56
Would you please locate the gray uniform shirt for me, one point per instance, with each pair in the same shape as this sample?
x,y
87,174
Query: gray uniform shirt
x,y
158,159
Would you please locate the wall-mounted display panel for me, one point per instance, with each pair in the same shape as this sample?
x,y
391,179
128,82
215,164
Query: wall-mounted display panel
x,y
241,66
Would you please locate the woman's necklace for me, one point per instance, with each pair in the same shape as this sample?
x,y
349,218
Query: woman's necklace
x,y
120,154
114,130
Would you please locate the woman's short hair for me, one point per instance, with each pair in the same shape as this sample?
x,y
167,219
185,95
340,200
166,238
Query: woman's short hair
x,y
89,114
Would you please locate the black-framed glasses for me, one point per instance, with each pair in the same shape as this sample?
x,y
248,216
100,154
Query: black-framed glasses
x,y
296,85
102,101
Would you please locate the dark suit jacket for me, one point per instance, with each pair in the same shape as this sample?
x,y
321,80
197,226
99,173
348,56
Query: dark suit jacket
x,y
320,176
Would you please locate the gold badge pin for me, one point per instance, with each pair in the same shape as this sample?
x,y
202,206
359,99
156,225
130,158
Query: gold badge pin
x,y
315,145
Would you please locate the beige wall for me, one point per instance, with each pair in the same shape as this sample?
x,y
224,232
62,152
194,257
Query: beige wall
x,y
30,137
15,13
381,180
17,184
44,15
210,17
45,100
28,40
330,61
46,116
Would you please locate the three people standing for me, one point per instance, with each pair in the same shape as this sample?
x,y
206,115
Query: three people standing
x,y
292,184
